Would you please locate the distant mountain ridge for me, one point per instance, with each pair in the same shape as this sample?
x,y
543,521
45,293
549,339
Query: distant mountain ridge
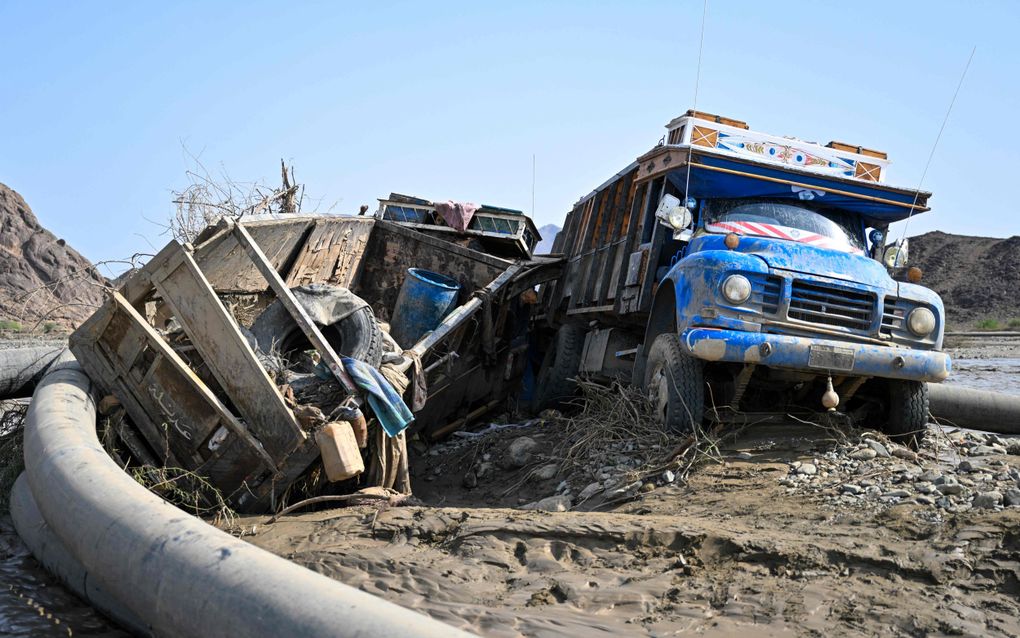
x,y
548,233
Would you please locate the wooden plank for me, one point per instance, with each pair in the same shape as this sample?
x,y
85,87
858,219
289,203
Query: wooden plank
x,y
297,312
226,352
332,253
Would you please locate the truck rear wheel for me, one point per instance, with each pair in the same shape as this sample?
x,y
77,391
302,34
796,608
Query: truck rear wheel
x,y
559,367
675,383
907,417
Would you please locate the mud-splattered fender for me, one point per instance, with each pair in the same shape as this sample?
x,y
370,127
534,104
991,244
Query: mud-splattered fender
x,y
696,281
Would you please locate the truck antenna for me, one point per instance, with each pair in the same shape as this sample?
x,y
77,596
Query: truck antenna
x,y
533,186
945,120
697,82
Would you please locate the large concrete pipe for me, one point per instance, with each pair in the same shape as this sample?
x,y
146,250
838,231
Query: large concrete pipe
x,y
50,551
180,575
21,369
975,409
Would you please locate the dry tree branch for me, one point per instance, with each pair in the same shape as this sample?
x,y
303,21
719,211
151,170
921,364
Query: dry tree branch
x,y
208,198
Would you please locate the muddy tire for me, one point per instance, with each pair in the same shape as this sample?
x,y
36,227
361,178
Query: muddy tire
x,y
555,384
907,418
675,383
357,335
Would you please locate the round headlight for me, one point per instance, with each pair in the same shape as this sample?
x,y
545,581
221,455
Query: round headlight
x,y
680,218
921,321
736,289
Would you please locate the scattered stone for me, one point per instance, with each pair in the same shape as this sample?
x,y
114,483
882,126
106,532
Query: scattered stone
x,y
986,450
896,494
924,499
1012,497
745,456
470,480
520,452
952,488
930,476
864,455
546,472
625,490
925,488
988,500
1013,447
906,454
559,503
879,449
808,469
668,476
850,488
589,491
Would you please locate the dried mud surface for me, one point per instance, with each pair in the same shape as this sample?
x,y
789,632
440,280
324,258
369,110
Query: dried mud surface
x,y
733,552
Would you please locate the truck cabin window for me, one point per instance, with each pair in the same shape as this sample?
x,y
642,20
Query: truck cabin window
x,y
801,222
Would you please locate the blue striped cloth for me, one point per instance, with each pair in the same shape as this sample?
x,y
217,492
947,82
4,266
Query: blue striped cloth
x,y
388,406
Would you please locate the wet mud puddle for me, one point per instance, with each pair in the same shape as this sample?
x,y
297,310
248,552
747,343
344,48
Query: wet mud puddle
x,y
33,603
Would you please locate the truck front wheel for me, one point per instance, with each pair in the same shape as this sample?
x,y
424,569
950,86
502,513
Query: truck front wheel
x,y
675,383
907,418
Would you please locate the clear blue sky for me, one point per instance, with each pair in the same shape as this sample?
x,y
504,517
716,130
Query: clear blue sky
x,y
451,100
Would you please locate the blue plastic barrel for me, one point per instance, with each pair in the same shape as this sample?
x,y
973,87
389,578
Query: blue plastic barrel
x,y
425,298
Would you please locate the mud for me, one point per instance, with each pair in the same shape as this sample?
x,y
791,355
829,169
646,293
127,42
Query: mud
x,y
749,544
737,549
732,553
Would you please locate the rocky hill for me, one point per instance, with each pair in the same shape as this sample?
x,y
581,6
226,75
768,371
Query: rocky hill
x,y
977,277
42,279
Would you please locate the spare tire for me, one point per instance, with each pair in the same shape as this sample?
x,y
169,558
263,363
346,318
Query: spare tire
x,y
346,321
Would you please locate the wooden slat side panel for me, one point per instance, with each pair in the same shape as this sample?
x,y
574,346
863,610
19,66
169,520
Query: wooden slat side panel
x,y
332,253
224,349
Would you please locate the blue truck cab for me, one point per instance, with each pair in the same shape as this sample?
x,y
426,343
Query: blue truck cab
x,y
735,274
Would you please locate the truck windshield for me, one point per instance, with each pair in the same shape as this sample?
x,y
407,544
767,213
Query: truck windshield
x,y
790,221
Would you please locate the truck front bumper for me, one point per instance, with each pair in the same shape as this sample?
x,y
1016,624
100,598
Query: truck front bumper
x,y
822,356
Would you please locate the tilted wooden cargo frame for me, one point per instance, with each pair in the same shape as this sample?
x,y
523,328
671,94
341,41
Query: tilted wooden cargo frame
x,y
233,424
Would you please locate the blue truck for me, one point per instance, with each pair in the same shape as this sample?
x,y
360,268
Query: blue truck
x,y
741,276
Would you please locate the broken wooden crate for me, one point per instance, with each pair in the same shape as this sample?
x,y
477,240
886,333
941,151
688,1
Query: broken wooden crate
x,y
205,403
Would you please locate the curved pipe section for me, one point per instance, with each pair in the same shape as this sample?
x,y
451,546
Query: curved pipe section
x,y
975,409
182,576
21,369
50,551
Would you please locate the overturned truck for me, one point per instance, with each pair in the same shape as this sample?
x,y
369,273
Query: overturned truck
x,y
273,356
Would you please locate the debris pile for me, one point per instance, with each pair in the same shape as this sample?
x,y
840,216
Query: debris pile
x,y
607,451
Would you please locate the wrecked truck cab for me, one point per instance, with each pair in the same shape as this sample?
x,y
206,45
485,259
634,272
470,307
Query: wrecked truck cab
x,y
734,273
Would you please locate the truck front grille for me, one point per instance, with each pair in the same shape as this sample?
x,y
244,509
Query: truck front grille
x,y
766,292
831,305
892,316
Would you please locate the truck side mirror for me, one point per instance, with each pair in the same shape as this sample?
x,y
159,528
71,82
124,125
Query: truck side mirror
x,y
673,214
